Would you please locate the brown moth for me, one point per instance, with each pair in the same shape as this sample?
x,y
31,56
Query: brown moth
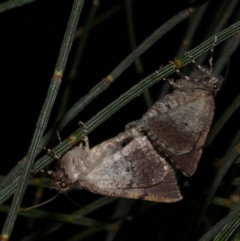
x,y
178,124
124,166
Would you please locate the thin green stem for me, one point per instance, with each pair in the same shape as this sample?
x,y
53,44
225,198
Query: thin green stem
x,y
223,119
121,101
43,119
102,85
133,44
13,4
218,227
230,158
76,61
66,218
229,229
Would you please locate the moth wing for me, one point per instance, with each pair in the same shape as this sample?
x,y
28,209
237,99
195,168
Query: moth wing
x,y
179,129
181,133
188,163
111,146
136,171
135,165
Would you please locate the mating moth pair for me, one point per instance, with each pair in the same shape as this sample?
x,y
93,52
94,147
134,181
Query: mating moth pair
x,y
135,164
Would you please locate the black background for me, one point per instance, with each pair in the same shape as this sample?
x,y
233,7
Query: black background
x,y
30,41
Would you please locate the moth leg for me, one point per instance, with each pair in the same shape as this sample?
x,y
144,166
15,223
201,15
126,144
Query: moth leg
x,y
86,147
171,82
179,72
211,56
202,69
156,71
199,67
85,138
37,171
134,124
175,85
163,78
80,123
50,152
84,144
52,174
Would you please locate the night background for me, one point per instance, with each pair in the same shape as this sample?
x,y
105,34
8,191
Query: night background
x,y
31,36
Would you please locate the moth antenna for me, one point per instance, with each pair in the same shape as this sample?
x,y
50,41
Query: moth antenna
x,y
39,205
226,71
70,199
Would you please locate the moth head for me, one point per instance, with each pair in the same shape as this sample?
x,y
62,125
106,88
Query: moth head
x,y
69,170
202,78
61,182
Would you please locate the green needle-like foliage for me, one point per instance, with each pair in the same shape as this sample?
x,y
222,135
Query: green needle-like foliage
x,y
121,49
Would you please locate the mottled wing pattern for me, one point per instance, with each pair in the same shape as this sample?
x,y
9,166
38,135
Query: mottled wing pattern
x,y
188,162
176,130
180,133
137,171
112,146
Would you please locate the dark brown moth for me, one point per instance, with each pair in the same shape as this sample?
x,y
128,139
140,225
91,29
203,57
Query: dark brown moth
x,y
124,166
178,124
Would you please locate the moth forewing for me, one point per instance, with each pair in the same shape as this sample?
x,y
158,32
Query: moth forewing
x,y
124,166
136,171
133,164
178,124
